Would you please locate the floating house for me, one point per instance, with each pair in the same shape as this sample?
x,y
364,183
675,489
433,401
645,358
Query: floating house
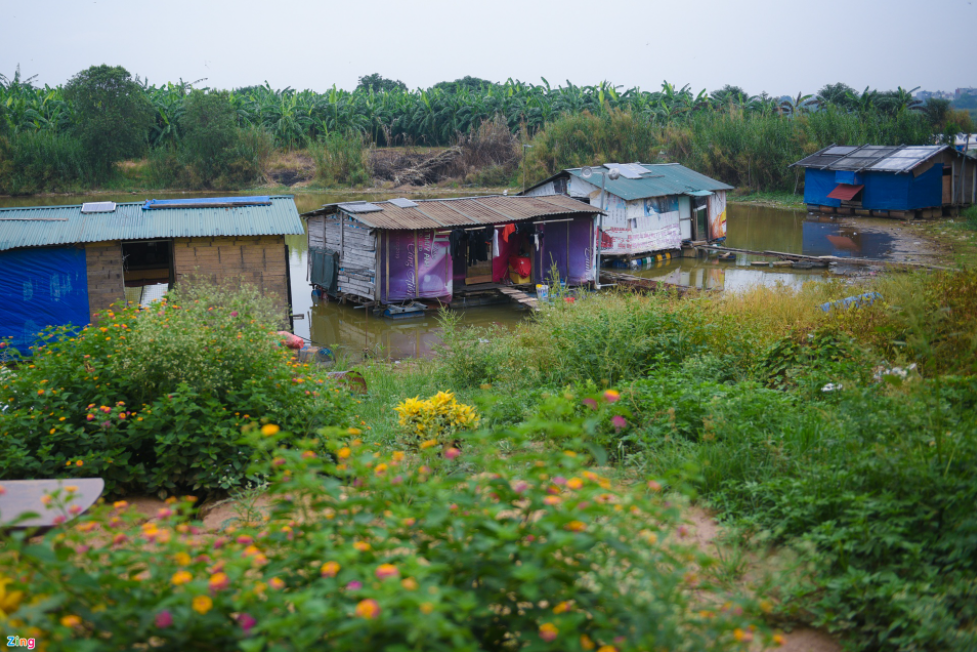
x,y
399,251
63,264
650,207
903,182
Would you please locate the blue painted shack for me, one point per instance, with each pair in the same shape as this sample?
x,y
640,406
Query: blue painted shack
x,y
63,264
903,182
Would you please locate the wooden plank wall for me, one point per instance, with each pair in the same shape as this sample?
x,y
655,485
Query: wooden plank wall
x,y
357,247
105,283
259,260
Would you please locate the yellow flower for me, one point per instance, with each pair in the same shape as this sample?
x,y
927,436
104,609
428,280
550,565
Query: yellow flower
x,y
269,429
355,431
574,483
607,648
429,443
409,583
71,621
562,607
586,642
362,546
182,559
181,577
202,604
9,600
426,608
548,632
343,453
576,526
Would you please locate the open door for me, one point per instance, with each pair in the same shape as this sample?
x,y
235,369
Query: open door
x,y
701,219
479,271
147,270
685,217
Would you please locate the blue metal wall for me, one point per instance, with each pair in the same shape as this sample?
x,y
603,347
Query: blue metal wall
x,y
40,287
883,190
817,185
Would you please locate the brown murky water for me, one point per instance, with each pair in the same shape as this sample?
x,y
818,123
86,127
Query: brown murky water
x,y
355,333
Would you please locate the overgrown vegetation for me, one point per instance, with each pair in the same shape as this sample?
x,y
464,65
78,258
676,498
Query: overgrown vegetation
x,y
744,140
154,400
846,436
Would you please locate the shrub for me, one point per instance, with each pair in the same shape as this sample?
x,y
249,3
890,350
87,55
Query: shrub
x,y
154,399
339,159
435,419
535,552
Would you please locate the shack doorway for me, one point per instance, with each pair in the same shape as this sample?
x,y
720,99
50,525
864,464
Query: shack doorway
x,y
700,221
147,270
479,254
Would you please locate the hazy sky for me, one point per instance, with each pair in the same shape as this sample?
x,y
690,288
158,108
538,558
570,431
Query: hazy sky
x,y
779,46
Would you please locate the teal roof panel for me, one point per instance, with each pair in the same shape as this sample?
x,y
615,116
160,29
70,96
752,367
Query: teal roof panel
x,y
41,226
661,180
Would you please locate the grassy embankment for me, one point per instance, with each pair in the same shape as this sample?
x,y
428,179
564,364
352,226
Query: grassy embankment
x,y
846,438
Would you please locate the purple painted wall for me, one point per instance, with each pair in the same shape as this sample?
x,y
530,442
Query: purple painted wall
x,y
434,269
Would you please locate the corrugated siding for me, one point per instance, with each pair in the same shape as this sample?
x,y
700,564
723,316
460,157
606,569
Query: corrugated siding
x,y
55,225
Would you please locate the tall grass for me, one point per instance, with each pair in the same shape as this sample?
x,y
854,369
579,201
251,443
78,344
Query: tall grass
x,y
44,161
340,159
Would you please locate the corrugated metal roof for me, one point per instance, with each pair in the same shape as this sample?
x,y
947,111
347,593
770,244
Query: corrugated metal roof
x,y
464,211
40,226
877,158
661,180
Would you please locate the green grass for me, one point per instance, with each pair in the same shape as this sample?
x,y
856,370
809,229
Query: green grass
x,y
773,198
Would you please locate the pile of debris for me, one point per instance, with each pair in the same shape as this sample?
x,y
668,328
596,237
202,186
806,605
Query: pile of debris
x,y
413,168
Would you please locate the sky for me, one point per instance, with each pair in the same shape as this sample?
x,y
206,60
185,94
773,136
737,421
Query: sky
x,y
782,47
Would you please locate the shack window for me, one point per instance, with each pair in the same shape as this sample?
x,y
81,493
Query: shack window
x,y
147,270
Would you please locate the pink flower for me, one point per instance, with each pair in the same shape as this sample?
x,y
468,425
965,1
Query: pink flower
x,y
612,396
559,481
90,417
234,313
591,403
246,621
245,540
58,520
386,570
164,619
520,486
452,453
619,422
354,586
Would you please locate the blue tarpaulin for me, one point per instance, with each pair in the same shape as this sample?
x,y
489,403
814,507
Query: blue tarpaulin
x,y
153,204
41,287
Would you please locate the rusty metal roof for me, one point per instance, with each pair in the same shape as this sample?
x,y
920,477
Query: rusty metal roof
x,y
463,211
40,226
646,180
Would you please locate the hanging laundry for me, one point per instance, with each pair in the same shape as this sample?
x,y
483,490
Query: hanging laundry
x,y
495,243
457,238
507,231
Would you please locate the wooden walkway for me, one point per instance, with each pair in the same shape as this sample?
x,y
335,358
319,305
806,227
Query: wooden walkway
x,y
820,259
644,284
512,293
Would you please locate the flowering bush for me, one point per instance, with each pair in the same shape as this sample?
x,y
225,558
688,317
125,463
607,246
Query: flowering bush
x,y
368,551
436,418
155,399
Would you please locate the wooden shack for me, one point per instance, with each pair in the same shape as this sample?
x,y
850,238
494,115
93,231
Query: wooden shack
x,y
650,208
400,250
64,264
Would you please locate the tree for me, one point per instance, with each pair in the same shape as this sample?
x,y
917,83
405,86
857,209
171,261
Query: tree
x,y
838,94
379,84
209,128
466,83
729,95
114,115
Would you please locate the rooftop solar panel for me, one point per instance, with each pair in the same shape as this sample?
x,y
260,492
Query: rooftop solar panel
x,y
401,202
360,207
98,207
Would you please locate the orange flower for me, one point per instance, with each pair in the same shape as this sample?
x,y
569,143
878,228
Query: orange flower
x,y
576,526
368,609
562,607
409,583
71,621
202,604
779,639
343,453
269,429
330,568
426,608
607,648
574,483
548,632
586,642
218,582
386,570
362,546
276,583
181,577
